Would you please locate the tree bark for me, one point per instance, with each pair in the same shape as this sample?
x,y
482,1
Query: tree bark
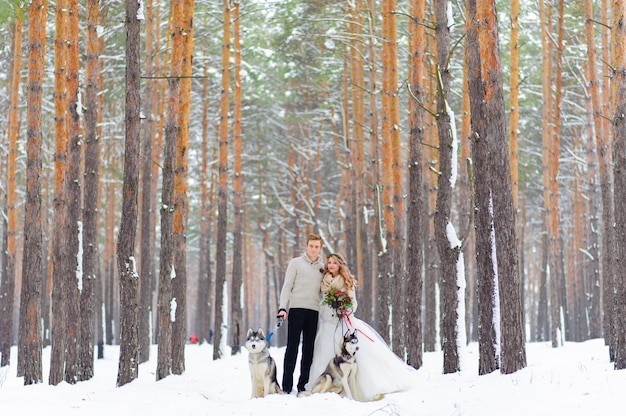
x,y
449,251
236,311
74,202
7,290
618,63
513,353
167,306
415,209
128,368
29,349
148,202
222,192
204,302
58,304
179,283
91,196
488,360
389,133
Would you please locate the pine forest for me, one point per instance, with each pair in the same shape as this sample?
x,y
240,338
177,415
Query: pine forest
x,y
162,161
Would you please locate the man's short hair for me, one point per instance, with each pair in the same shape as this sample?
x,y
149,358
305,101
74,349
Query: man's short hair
x,y
313,237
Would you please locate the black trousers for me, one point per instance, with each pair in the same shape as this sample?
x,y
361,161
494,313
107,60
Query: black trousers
x,y
301,322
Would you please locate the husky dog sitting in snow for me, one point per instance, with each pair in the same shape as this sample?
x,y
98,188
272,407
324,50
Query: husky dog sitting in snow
x,y
340,374
262,365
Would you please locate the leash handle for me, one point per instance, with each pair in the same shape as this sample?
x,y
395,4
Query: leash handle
x,y
280,322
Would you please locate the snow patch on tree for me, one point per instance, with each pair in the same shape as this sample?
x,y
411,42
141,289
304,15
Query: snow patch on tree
x,y
461,338
79,257
495,302
140,11
173,306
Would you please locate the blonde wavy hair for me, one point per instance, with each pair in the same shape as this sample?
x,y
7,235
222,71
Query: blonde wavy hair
x,y
348,278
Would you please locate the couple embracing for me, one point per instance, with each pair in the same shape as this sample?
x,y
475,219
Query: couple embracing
x,y
309,287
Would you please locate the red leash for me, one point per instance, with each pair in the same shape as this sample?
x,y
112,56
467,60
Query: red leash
x,y
347,319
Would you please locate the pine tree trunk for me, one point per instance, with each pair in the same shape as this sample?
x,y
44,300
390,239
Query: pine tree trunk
x,y
74,203
129,344
513,353
91,197
373,169
179,283
448,253
203,309
488,361
222,192
29,348
58,304
236,312
618,63
148,201
386,277
167,304
7,290
415,208
604,165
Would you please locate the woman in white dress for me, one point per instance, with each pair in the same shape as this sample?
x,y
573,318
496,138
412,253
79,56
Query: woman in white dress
x,y
379,370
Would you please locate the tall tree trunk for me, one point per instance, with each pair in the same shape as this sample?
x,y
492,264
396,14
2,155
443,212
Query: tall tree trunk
x,y
58,304
147,197
373,170
488,340
91,196
179,283
167,307
514,101
432,273
449,250
203,309
7,290
222,192
618,63
74,202
389,132
415,208
592,265
157,144
236,312
29,349
604,164
358,134
513,352
128,368
550,169
109,253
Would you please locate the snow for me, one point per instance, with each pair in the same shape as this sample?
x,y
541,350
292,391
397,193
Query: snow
x,y
577,379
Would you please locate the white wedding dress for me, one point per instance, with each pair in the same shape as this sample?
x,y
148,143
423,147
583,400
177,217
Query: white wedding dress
x,y
379,370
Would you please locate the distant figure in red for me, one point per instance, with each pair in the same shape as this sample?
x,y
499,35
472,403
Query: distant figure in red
x,y
193,338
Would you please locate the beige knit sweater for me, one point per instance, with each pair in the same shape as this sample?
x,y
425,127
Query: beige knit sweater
x,y
302,284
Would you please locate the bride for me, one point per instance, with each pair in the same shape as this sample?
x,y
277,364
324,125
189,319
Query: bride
x,y
379,370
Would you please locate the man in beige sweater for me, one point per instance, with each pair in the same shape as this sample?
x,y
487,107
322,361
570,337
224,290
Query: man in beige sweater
x,y
301,294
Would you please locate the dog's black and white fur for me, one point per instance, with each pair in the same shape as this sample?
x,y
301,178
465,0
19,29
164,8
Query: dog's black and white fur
x,y
340,374
262,365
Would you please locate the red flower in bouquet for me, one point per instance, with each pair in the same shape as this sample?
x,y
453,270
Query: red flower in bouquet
x,y
339,300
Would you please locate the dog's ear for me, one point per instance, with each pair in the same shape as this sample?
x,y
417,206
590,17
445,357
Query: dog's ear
x,y
249,333
261,333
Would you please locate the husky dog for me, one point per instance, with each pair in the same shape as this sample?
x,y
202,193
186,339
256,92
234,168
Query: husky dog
x,y
340,374
262,365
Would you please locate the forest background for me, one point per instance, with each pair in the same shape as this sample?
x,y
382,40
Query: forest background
x,y
218,135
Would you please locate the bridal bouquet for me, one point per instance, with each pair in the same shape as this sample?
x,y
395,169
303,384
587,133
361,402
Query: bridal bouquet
x,y
339,300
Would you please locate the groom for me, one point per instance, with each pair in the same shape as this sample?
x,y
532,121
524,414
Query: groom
x,y
301,293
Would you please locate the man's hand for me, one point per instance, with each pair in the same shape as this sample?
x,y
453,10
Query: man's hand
x,y
282,314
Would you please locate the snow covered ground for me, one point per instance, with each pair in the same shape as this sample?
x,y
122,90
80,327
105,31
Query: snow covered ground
x,y
574,380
